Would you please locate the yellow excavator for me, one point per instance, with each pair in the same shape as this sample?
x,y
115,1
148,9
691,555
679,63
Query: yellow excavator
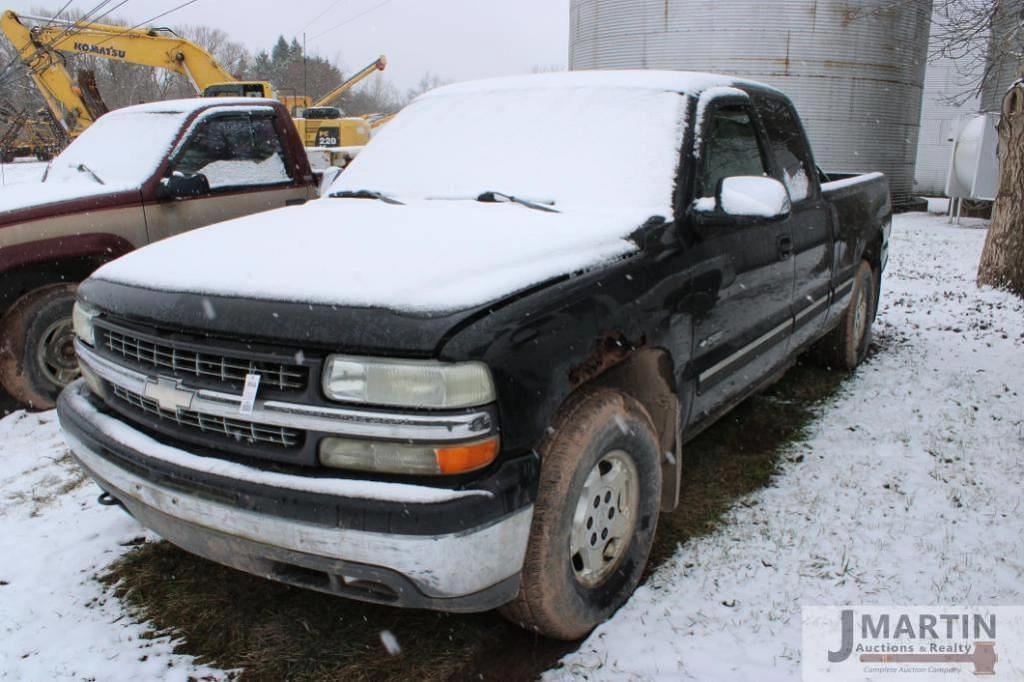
x,y
42,42
322,125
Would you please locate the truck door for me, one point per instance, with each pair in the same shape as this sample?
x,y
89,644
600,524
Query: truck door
x,y
810,220
242,158
743,333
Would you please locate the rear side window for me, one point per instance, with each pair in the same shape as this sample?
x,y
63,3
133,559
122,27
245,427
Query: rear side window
x,y
788,147
731,148
235,151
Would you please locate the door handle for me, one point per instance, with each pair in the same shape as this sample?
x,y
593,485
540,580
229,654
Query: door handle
x,y
785,246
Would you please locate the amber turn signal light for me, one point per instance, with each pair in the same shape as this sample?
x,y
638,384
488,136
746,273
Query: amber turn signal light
x,y
459,459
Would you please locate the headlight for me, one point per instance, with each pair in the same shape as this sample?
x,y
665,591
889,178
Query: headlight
x,y
407,458
407,383
82,316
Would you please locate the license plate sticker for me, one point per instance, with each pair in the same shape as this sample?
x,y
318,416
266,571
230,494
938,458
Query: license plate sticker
x,y
252,387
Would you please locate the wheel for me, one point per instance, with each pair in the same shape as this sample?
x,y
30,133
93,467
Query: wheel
x,y
595,516
7,157
846,346
37,353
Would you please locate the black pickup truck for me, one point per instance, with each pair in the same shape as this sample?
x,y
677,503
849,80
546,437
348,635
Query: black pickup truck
x,y
464,380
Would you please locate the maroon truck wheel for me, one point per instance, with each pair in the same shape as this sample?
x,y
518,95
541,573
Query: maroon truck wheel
x,y
37,354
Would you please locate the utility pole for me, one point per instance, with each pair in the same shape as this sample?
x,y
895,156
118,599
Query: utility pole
x,y
305,68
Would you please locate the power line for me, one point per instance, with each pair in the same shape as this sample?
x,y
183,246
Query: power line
x,y
59,12
148,21
319,16
76,26
70,29
351,19
164,14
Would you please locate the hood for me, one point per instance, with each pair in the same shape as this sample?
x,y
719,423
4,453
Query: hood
x,y
425,258
29,201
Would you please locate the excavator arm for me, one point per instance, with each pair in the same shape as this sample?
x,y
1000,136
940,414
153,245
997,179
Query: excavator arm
x,y
158,48
50,75
379,65
41,48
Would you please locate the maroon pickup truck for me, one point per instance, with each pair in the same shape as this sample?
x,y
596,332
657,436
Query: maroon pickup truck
x,y
138,175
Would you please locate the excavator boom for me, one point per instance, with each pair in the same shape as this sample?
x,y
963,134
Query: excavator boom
x,y
379,65
50,76
158,48
41,43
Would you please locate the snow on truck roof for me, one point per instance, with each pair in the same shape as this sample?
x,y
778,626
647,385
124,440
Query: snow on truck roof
x,y
191,105
685,82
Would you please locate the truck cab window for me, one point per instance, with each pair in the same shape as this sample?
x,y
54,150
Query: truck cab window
x,y
235,151
731,148
788,148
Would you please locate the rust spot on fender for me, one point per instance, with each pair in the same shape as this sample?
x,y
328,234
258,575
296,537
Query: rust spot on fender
x,y
609,350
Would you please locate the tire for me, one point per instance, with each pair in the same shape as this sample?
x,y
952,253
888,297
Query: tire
x,y
37,357
601,441
846,346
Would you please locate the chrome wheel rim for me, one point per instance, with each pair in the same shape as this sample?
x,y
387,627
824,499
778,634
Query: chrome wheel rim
x,y
860,316
605,517
55,353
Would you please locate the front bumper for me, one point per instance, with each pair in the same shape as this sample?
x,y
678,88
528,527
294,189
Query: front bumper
x,y
218,509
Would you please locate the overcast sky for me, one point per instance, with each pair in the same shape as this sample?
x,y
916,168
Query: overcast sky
x,y
453,39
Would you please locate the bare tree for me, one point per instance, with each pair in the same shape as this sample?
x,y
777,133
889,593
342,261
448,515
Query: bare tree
x,y
378,96
987,38
429,81
1002,261
985,41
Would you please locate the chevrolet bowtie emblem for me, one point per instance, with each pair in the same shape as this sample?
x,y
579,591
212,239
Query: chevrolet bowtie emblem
x,y
169,394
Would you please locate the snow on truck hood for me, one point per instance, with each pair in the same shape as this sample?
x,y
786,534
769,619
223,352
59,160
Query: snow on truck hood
x,y
602,147
426,256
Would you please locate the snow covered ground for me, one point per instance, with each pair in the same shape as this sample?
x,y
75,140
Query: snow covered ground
x,y
56,620
907,490
21,171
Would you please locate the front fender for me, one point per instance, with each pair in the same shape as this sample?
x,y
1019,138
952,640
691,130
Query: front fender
x,y
543,346
97,247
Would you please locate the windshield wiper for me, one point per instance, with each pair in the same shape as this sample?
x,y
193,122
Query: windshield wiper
x,y
82,168
366,194
492,197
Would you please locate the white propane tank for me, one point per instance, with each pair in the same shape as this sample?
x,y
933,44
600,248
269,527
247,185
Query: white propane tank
x,y
973,164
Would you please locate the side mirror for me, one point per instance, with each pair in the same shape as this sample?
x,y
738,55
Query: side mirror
x,y
746,196
180,186
750,196
330,174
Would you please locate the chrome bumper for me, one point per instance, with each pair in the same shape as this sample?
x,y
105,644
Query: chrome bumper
x,y
441,567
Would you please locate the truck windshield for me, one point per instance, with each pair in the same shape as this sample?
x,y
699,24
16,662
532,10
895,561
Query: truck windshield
x,y
122,148
583,147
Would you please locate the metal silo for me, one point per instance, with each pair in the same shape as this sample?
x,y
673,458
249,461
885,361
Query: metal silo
x,y
854,68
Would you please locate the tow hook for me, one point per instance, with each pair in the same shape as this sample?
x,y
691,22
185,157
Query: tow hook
x,y
108,500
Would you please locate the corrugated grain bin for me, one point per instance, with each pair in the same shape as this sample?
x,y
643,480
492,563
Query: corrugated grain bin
x,y
854,68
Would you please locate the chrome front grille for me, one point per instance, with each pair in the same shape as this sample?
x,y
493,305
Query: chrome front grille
x,y
235,429
204,365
